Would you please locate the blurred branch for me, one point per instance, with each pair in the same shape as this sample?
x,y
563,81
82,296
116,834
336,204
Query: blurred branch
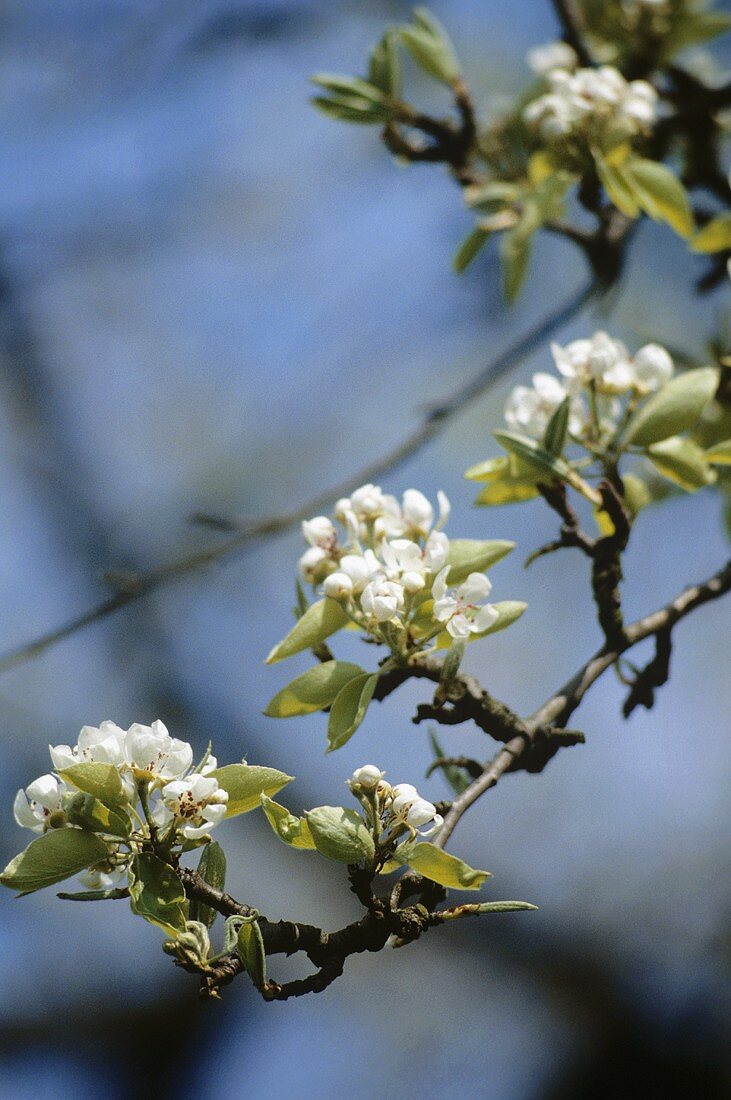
x,y
572,31
135,586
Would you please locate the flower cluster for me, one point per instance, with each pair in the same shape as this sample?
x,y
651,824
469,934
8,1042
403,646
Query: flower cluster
x,y
553,55
385,562
594,374
597,106
400,811
179,802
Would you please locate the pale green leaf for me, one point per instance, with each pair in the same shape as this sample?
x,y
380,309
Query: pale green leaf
x,y
293,830
156,893
250,949
682,461
212,869
636,493
474,556
470,248
319,621
554,439
533,455
659,193
340,834
429,45
349,86
720,453
313,690
431,862
93,815
246,783
56,855
349,709
616,186
715,236
350,109
673,409
101,780
384,68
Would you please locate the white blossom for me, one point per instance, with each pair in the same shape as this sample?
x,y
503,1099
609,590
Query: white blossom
x,y
198,800
360,568
599,360
529,409
368,777
553,55
94,878
100,745
312,562
320,531
411,809
338,586
462,611
34,806
594,104
382,600
151,749
653,367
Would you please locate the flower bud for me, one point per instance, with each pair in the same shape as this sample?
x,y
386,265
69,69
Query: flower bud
x,y
338,586
417,511
368,777
318,531
653,367
313,563
412,583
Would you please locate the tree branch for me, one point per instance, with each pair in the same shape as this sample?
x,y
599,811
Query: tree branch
x,y
572,30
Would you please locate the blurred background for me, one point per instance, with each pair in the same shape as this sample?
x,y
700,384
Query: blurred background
x,y
212,297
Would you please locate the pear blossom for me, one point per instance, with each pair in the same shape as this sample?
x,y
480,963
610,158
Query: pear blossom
x,y
198,800
403,556
463,612
653,367
598,105
368,777
96,878
320,531
103,744
338,586
552,55
151,749
382,600
360,568
600,360
409,808
529,409
34,807
313,563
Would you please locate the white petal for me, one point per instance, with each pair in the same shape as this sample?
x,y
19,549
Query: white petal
x,y
476,588
484,618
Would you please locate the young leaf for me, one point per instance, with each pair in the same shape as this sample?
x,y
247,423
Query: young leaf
x,y
673,409
720,453
515,250
349,709
470,248
351,109
474,556
156,893
715,236
616,186
319,621
91,814
340,834
56,855
350,86
659,193
636,493
246,783
489,470
212,869
682,461
384,68
313,690
429,45
555,438
250,949
101,780
533,455
293,830
431,862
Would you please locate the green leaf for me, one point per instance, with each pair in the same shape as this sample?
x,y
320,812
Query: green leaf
x,y
515,250
659,193
617,187
384,69
246,783
505,907
636,493
212,869
349,709
293,830
474,556
56,855
101,780
470,248
156,893
313,690
715,236
319,621
508,480
250,949
431,862
340,834
720,453
693,28
349,109
682,461
429,45
91,814
554,439
349,86
533,455
115,893
489,470
673,409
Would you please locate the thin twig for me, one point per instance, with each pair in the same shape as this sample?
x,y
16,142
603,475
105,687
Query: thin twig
x,y
246,533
